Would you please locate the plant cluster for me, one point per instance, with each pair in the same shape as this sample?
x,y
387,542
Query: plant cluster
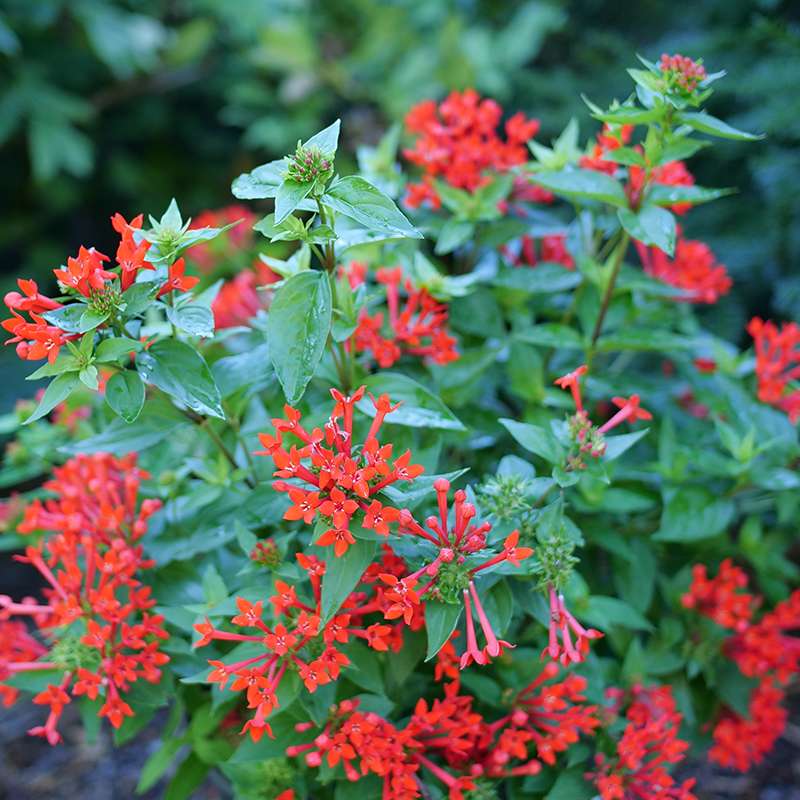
x,y
457,498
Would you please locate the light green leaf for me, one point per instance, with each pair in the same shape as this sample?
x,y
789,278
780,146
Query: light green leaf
x,y
57,391
652,225
535,439
359,200
582,184
705,123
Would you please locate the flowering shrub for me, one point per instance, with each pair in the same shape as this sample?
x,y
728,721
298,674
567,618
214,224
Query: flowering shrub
x,y
461,502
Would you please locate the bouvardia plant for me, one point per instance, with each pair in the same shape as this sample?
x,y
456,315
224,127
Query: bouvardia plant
x,y
434,482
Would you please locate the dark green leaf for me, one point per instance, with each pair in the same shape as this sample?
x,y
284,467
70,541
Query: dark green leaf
x,y
343,573
193,318
180,371
692,513
545,278
125,394
603,612
440,622
535,439
551,334
297,330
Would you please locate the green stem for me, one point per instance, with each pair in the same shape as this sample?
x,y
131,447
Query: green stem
x,y
204,423
330,253
619,255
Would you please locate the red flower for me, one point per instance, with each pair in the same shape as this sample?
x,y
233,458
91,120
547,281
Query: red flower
x,y
777,364
418,329
648,744
741,742
459,143
177,281
720,598
91,566
130,256
85,273
344,478
239,300
240,237
693,270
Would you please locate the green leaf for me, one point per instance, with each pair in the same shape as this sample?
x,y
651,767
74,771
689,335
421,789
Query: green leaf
x,y
582,184
551,334
440,622
535,439
452,235
630,115
64,363
68,318
139,297
603,612
343,574
125,394
544,278
188,777
663,195
298,325
110,350
617,445
195,319
289,195
735,689
327,140
652,225
359,200
571,785
121,437
261,183
180,371
641,339
705,123
692,513
251,368
57,391
158,763
420,407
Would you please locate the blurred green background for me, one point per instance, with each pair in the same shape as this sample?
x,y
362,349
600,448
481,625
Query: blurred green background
x,y
108,105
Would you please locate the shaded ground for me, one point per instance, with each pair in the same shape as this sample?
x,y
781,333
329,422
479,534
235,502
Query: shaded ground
x,y
32,770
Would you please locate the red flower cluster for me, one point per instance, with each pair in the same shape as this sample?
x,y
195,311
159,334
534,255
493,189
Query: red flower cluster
x,y
458,143
682,72
761,649
19,651
85,276
740,742
693,270
95,614
720,598
304,643
649,743
345,479
777,364
419,328
449,577
240,237
586,436
450,740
